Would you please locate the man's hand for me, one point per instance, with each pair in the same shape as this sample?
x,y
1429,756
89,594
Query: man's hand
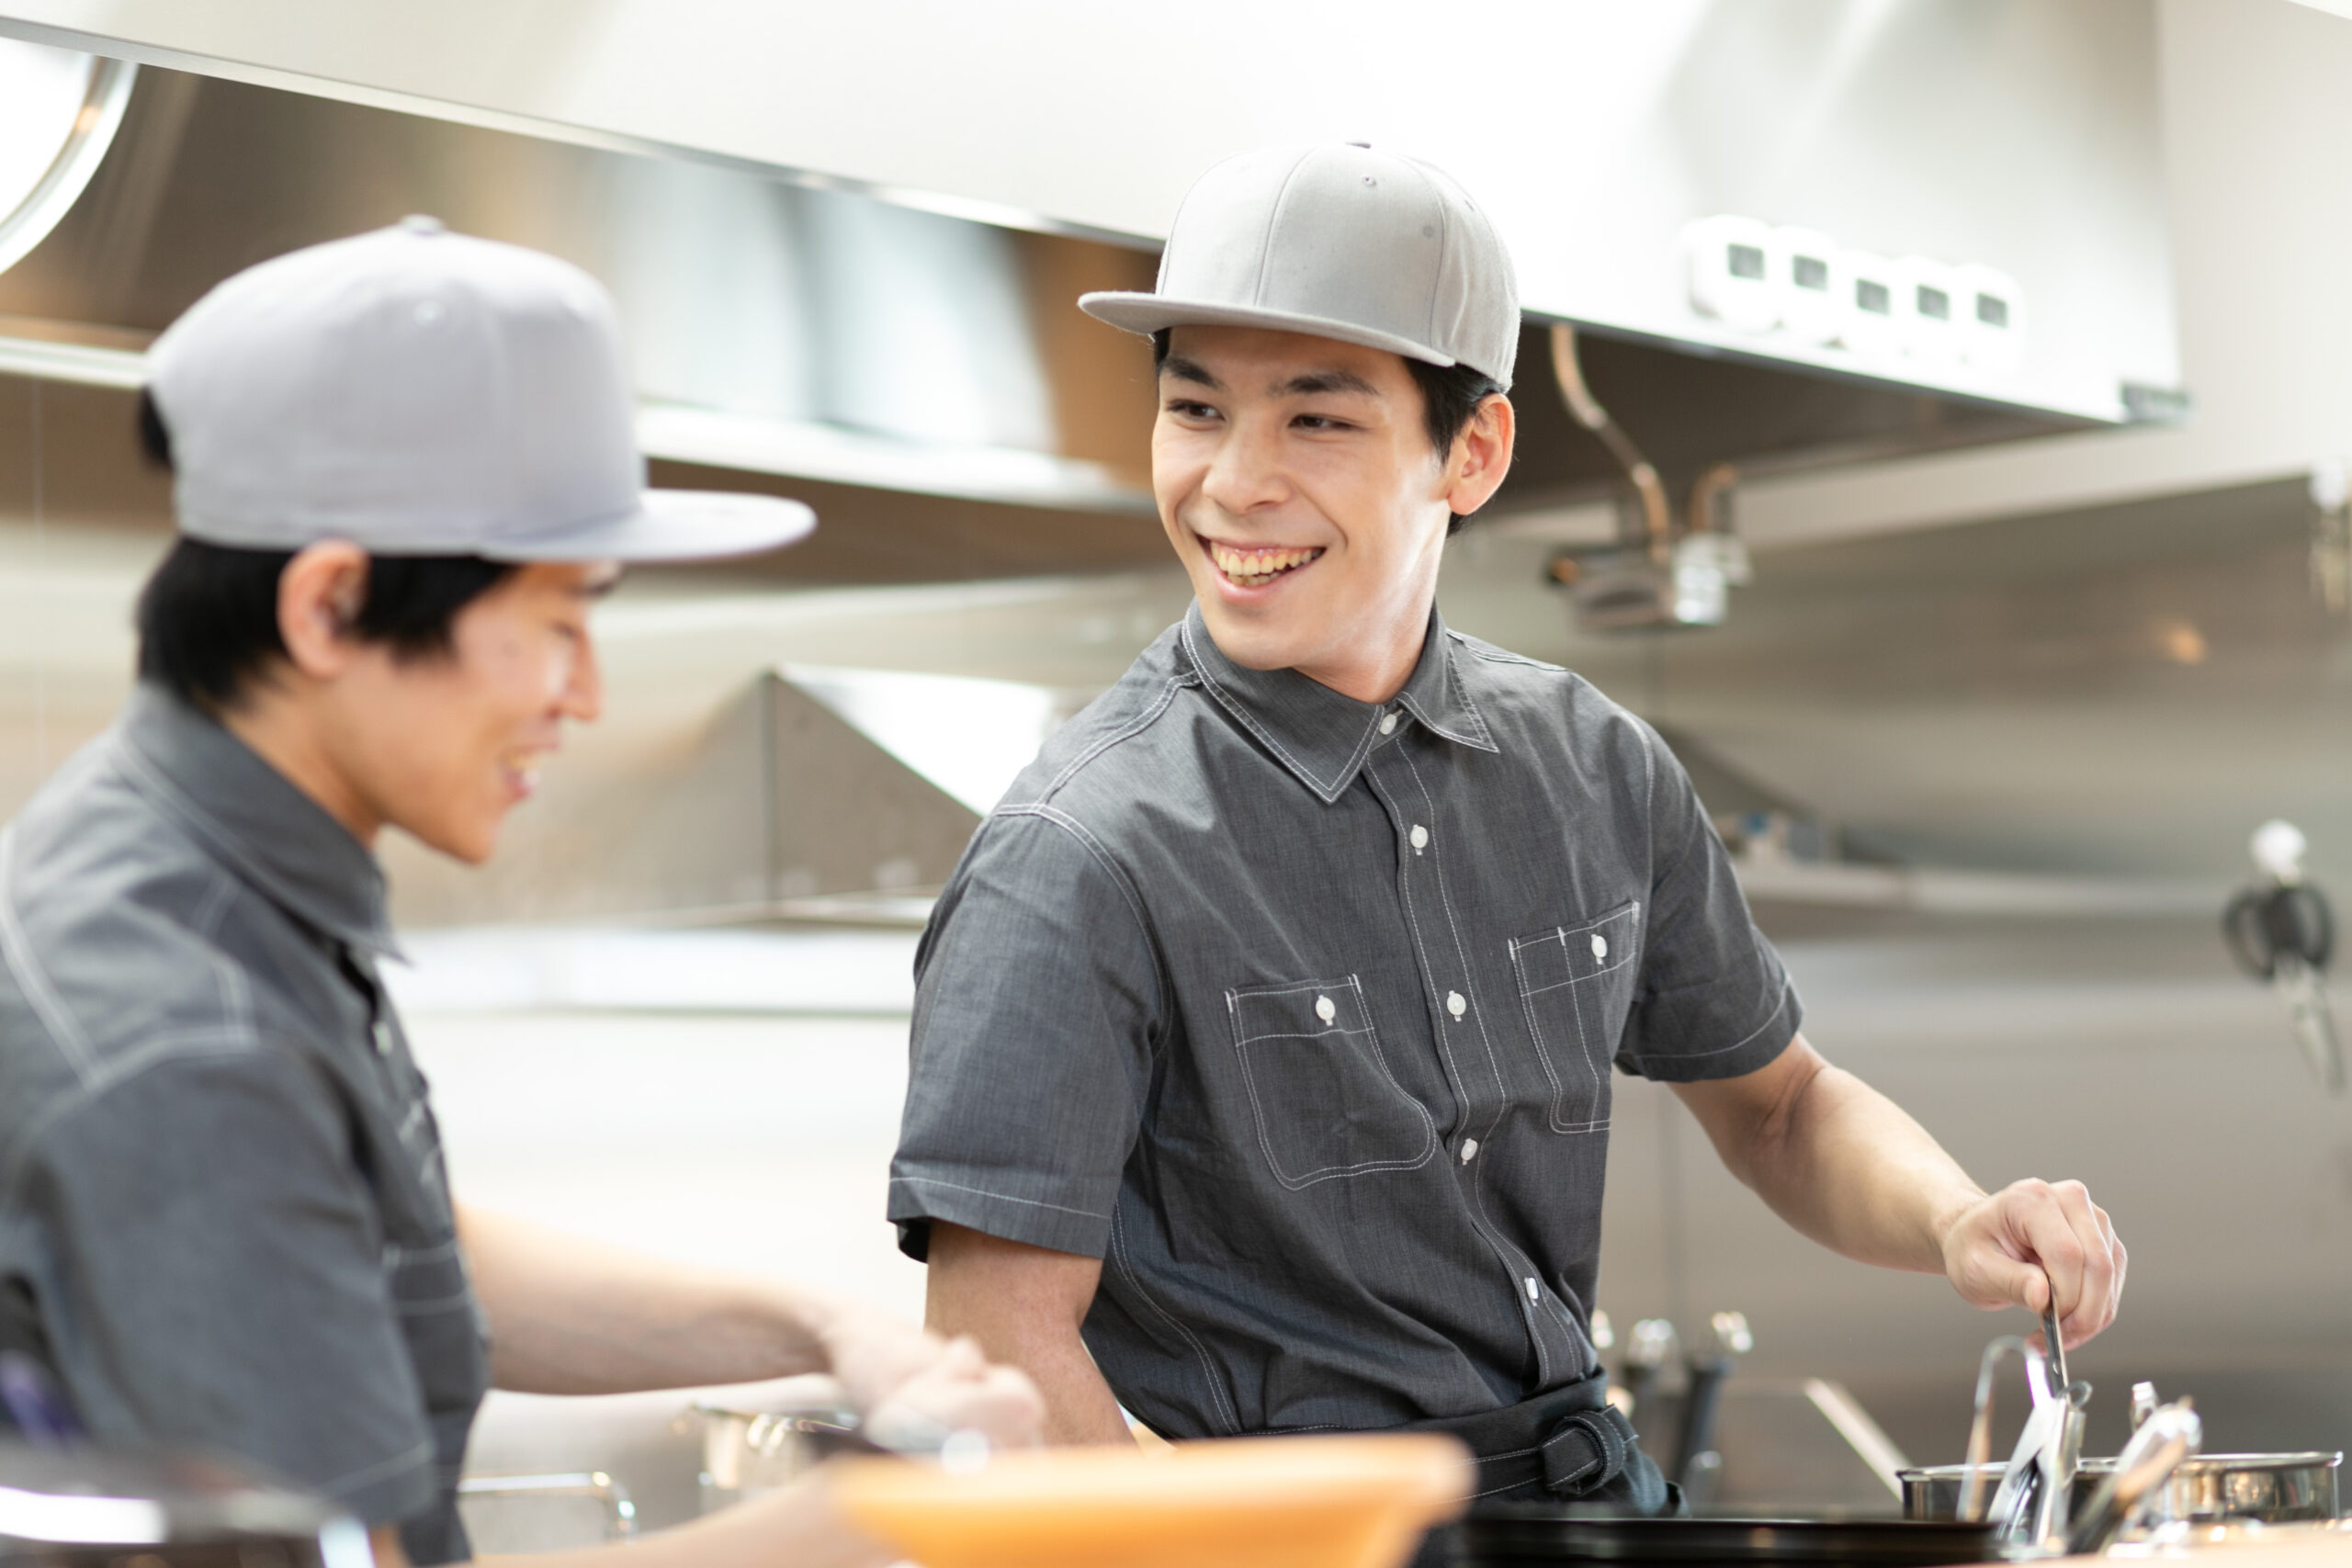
x,y
915,1388
1998,1250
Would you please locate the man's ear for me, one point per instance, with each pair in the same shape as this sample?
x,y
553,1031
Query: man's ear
x,y
1481,456
320,595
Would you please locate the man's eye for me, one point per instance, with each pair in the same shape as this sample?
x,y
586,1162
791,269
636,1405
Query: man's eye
x,y
1190,410
1321,422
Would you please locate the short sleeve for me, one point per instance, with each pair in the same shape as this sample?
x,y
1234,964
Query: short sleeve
x,y
1713,1001
219,1270
1036,1001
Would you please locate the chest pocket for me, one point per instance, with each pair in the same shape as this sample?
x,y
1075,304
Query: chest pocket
x,y
1575,984
1324,1101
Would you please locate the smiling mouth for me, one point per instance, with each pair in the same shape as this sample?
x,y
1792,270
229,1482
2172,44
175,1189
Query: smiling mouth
x,y
522,771
1256,568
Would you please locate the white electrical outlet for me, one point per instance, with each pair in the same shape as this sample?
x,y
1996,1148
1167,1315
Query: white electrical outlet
x,y
1991,313
1865,286
1803,266
1731,274
1927,309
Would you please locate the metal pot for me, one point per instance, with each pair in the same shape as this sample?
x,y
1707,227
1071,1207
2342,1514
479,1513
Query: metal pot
x,y
2274,1488
1933,1492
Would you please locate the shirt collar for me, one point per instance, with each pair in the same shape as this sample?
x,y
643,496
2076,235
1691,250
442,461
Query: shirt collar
x,y
255,821
1319,735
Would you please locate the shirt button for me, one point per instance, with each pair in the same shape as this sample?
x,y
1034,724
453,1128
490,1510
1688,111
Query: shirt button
x,y
1324,1009
1457,1004
1421,837
383,1033
1600,945
1535,1291
1388,724
1469,1150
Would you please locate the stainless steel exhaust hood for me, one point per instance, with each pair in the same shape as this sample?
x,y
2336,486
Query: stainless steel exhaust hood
x,y
892,337
864,339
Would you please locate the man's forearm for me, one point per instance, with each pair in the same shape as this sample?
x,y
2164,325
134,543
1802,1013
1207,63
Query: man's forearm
x,y
1024,1304
573,1316
1080,1410
1841,1163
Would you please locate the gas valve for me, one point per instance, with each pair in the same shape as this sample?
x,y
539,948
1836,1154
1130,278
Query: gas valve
x,y
2282,931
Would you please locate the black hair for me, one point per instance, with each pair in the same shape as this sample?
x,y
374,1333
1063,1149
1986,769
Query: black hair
x,y
207,618
1450,398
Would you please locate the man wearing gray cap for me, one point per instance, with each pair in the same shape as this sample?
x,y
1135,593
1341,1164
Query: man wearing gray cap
x,y
1262,1045
406,470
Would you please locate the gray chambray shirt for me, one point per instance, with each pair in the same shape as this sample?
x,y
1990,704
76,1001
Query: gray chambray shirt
x,y
224,1221
1300,1013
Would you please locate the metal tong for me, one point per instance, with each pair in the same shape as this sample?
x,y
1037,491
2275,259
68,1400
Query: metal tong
x,y
2030,1503
2168,1434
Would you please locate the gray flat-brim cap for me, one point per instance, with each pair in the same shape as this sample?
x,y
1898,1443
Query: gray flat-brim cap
x,y
1339,241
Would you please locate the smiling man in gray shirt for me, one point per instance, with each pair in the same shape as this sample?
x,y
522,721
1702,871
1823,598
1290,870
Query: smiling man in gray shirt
x,y
406,471
1263,1038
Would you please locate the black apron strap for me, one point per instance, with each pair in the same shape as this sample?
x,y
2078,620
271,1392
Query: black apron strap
x,y
1570,1443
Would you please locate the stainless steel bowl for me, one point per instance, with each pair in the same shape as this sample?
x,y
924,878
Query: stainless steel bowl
x,y
748,1453
2274,1488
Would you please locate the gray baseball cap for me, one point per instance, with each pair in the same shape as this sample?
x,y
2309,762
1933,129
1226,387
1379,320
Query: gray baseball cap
x,y
418,392
1340,240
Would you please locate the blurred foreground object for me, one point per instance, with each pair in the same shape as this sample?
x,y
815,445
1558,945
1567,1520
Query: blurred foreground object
x,y
1339,1502
59,111
82,1508
2281,930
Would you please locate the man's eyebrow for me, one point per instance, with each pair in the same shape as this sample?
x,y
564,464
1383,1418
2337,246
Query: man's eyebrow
x,y
1316,381
1191,371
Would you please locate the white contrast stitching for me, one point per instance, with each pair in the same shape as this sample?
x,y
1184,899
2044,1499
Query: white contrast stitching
x,y
1133,727
1484,1226
17,949
1429,1142
1494,1063
1232,705
1126,1265
1595,1070
1120,880
984,1192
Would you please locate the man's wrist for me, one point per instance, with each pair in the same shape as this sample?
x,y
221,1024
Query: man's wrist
x,y
1946,1218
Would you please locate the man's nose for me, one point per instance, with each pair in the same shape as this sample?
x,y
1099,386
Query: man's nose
x,y
1245,475
583,693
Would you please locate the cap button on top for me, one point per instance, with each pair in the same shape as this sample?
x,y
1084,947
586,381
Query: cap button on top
x,y
423,223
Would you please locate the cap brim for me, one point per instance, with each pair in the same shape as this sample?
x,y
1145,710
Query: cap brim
x,y
1148,313
673,525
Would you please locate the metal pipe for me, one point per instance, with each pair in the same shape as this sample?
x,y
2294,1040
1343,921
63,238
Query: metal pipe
x,y
1706,496
1586,409
620,1509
